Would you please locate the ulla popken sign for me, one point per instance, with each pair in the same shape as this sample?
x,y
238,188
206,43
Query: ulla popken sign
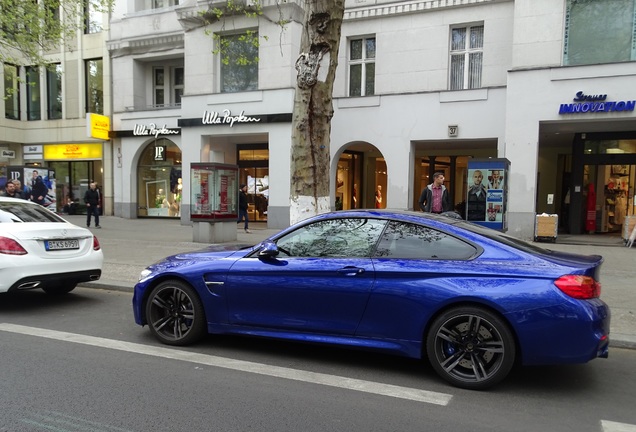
x,y
226,117
153,130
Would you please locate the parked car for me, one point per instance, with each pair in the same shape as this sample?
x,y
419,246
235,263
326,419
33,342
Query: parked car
x,y
472,300
39,249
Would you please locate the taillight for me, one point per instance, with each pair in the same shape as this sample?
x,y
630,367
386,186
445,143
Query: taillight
x,y
579,287
11,247
96,245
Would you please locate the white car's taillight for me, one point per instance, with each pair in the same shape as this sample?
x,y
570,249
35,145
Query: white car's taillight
x,y
11,247
96,245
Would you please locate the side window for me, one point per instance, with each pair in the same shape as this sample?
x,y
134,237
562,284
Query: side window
x,y
344,238
404,240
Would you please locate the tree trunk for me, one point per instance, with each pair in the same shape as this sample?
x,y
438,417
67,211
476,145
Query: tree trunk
x,y
313,108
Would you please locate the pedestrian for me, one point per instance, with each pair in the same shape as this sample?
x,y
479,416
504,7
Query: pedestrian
x,y
92,199
434,197
39,190
18,189
242,207
10,190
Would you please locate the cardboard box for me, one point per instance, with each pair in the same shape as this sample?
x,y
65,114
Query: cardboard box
x,y
546,226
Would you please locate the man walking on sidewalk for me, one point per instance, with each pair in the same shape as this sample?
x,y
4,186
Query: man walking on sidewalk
x,y
92,199
242,207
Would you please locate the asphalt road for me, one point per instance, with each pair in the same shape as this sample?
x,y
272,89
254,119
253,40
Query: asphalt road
x,y
79,363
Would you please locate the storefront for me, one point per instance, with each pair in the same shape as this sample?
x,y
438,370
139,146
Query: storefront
x,y
159,180
65,169
603,178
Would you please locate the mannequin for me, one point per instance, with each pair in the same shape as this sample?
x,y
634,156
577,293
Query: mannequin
x,y
378,197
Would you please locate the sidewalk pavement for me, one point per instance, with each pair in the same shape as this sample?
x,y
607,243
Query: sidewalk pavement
x,y
130,245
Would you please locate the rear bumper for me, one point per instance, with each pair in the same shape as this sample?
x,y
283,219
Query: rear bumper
x,y
575,332
58,279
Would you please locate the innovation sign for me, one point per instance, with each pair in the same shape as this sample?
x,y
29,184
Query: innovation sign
x,y
595,103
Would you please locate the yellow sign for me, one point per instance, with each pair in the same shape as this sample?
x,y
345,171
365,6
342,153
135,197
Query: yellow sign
x,y
97,126
72,151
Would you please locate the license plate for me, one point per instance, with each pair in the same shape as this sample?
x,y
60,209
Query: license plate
x,y
51,245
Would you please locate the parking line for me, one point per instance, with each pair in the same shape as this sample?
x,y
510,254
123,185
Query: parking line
x,y
238,365
610,426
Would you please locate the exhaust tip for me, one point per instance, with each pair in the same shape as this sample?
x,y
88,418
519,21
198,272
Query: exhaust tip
x,y
29,285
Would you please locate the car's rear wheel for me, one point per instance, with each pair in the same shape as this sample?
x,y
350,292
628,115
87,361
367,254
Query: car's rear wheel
x,y
59,289
175,314
471,347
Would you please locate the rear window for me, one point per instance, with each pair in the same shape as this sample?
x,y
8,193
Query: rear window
x,y
503,238
20,211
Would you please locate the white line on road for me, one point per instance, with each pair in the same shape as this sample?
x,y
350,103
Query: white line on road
x,y
239,365
610,426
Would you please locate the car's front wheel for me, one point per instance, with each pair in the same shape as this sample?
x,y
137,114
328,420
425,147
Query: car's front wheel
x,y
471,347
175,314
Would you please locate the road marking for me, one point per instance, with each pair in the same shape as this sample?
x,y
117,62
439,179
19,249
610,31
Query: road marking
x,y
239,365
610,426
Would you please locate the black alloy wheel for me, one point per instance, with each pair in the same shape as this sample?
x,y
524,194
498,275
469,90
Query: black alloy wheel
x,y
471,347
175,314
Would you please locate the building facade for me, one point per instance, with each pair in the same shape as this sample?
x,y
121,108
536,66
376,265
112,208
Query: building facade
x,y
421,87
43,120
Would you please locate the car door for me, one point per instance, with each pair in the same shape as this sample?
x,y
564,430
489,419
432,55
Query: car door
x,y
414,267
319,282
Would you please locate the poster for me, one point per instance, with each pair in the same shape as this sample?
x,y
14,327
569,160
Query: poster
x,y
487,192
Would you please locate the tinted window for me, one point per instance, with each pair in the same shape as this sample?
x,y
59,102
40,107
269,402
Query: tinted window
x,y
21,211
404,240
351,237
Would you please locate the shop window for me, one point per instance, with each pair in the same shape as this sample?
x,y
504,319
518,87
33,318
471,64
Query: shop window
x,y
362,67
254,172
239,62
159,184
587,39
466,57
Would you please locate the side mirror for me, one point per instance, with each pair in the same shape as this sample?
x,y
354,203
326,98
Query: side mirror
x,y
268,250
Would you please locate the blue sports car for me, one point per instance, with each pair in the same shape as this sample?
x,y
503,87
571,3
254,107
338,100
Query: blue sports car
x,y
471,300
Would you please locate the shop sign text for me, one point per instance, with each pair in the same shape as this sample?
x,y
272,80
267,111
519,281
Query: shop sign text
x,y
584,103
153,130
226,117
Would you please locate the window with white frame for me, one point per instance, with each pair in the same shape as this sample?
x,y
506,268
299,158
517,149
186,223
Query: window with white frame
x,y
362,66
157,4
466,57
167,85
239,62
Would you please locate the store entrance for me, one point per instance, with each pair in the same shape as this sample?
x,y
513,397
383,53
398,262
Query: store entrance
x,y
73,179
608,197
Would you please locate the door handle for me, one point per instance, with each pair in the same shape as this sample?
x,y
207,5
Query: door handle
x,y
351,271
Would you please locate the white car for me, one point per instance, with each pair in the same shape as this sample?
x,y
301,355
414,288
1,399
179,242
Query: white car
x,y
39,249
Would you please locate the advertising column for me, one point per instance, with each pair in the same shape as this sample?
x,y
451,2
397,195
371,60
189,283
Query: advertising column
x,y
487,200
